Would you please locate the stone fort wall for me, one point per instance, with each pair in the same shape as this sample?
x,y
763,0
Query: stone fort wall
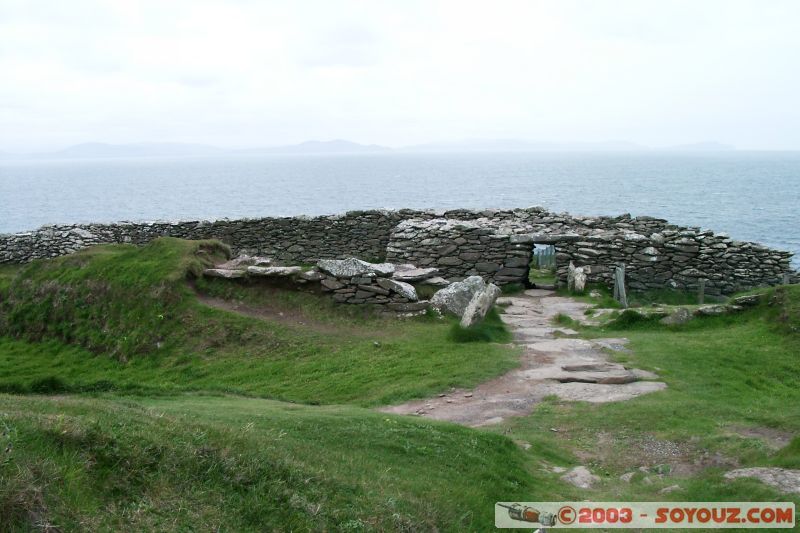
x,y
496,244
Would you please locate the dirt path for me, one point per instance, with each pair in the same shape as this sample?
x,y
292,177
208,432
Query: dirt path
x,y
287,317
552,363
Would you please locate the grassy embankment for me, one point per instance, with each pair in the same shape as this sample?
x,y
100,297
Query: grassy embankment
x,y
123,318
121,326
146,455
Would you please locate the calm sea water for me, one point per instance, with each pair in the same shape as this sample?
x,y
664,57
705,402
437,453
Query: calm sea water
x,y
751,195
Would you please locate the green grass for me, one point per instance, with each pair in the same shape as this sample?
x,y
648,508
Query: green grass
x,y
128,419
511,288
219,463
491,329
541,276
123,318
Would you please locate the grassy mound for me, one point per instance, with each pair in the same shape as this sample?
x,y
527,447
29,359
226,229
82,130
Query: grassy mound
x,y
119,300
124,318
217,463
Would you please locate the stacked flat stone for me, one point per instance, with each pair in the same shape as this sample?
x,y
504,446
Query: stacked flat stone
x,y
353,281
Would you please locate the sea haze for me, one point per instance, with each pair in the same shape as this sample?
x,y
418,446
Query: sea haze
x,y
751,195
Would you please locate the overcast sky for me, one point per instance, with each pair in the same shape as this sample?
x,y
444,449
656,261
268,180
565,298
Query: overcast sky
x,y
257,73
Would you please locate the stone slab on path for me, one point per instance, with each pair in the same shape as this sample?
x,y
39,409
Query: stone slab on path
x,y
783,479
571,368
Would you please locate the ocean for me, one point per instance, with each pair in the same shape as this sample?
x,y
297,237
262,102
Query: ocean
x,y
750,195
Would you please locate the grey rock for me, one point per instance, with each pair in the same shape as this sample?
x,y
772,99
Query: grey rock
x,y
274,271
679,316
436,282
580,477
480,304
487,267
227,273
450,261
347,268
332,284
456,297
400,287
414,274
244,260
783,479
311,275
748,300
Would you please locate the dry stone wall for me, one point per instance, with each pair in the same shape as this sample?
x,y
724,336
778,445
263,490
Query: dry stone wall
x,y
461,248
303,240
495,244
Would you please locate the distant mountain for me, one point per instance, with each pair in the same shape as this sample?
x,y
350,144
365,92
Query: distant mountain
x,y
320,147
339,146
515,145
705,146
149,149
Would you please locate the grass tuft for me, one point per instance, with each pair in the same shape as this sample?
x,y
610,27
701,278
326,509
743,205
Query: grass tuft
x,y
491,329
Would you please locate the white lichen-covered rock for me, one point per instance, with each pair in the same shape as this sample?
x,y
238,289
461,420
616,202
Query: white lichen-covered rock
x,y
242,261
227,273
274,271
580,477
456,297
350,267
400,287
311,275
576,278
411,273
435,282
479,305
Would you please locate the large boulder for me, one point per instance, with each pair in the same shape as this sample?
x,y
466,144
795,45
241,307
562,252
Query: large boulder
x,y
350,267
455,298
480,304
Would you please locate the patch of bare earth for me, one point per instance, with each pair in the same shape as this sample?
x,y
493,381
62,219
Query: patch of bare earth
x,y
553,362
279,314
774,439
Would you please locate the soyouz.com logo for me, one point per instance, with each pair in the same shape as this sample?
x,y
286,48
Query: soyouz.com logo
x,y
664,515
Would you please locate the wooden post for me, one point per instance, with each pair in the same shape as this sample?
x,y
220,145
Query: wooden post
x,y
701,291
619,286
